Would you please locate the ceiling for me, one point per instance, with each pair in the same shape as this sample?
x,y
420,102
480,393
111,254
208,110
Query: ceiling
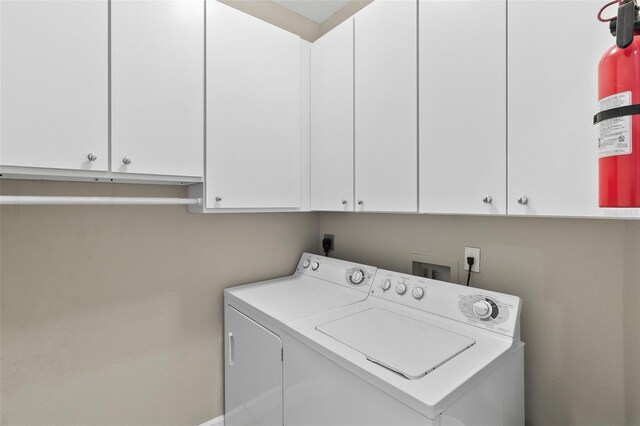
x,y
316,10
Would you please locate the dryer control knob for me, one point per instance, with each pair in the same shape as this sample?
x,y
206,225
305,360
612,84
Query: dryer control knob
x,y
315,266
482,309
386,284
357,277
401,288
418,293
306,263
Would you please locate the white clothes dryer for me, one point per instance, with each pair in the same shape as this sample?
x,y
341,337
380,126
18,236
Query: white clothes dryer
x,y
256,319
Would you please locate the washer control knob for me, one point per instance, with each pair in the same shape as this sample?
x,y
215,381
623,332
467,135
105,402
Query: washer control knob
x,y
357,277
482,309
401,288
386,284
315,266
306,263
418,293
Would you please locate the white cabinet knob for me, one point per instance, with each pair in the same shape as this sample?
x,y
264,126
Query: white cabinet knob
x,y
126,160
218,199
523,200
344,202
92,156
487,199
360,202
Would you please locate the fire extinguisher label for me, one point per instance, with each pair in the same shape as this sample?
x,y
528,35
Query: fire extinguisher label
x,y
615,133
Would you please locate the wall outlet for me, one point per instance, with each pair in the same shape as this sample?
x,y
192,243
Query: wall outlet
x,y
332,238
475,253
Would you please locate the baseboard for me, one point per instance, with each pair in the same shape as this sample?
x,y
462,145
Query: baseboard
x,y
218,421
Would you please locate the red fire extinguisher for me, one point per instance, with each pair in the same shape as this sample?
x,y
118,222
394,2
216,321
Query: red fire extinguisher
x,y
619,116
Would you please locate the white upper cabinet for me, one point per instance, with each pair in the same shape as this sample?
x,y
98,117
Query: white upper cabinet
x,y
554,50
332,120
253,112
157,87
54,84
386,92
463,106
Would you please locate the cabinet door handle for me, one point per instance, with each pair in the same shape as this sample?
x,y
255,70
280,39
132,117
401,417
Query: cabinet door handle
x,y
126,160
487,199
92,156
344,202
360,202
523,200
232,349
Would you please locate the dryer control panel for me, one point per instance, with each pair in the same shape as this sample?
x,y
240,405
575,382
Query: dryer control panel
x,y
494,311
337,271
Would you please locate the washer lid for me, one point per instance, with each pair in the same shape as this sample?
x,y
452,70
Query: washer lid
x,y
404,345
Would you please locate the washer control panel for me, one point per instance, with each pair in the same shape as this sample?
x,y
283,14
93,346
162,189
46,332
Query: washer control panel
x,y
483,308
398,285
337,271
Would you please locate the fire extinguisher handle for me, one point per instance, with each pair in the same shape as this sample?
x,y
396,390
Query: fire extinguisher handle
x,y
625,23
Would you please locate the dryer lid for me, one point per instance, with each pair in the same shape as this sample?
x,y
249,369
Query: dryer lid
x,y
404,345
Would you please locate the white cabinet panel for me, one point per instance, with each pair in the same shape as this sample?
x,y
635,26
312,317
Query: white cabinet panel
x,y
332,120
305,125
463,113
54,84
553,158
157,86
253,372
386,106
253,112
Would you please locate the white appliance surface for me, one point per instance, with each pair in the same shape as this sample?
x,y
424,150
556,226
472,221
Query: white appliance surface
x,y
412,348
308,291
361,344
444,306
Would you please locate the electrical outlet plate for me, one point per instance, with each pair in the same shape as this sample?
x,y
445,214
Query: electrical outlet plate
x,y
475,253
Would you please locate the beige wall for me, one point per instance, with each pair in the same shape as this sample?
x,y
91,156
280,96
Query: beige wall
x,y
113,315
632,324
577,295
279,16
284,18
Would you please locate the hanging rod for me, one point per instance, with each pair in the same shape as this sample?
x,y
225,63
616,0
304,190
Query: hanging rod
x,y
142,201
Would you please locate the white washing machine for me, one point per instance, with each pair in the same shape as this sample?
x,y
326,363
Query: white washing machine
x,y
414,352
256,323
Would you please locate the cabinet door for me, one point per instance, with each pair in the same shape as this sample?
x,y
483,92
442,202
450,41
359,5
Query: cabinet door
x,y
553,157
252,373
54,83
157,87
463,106
332,120
253,112
386,98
